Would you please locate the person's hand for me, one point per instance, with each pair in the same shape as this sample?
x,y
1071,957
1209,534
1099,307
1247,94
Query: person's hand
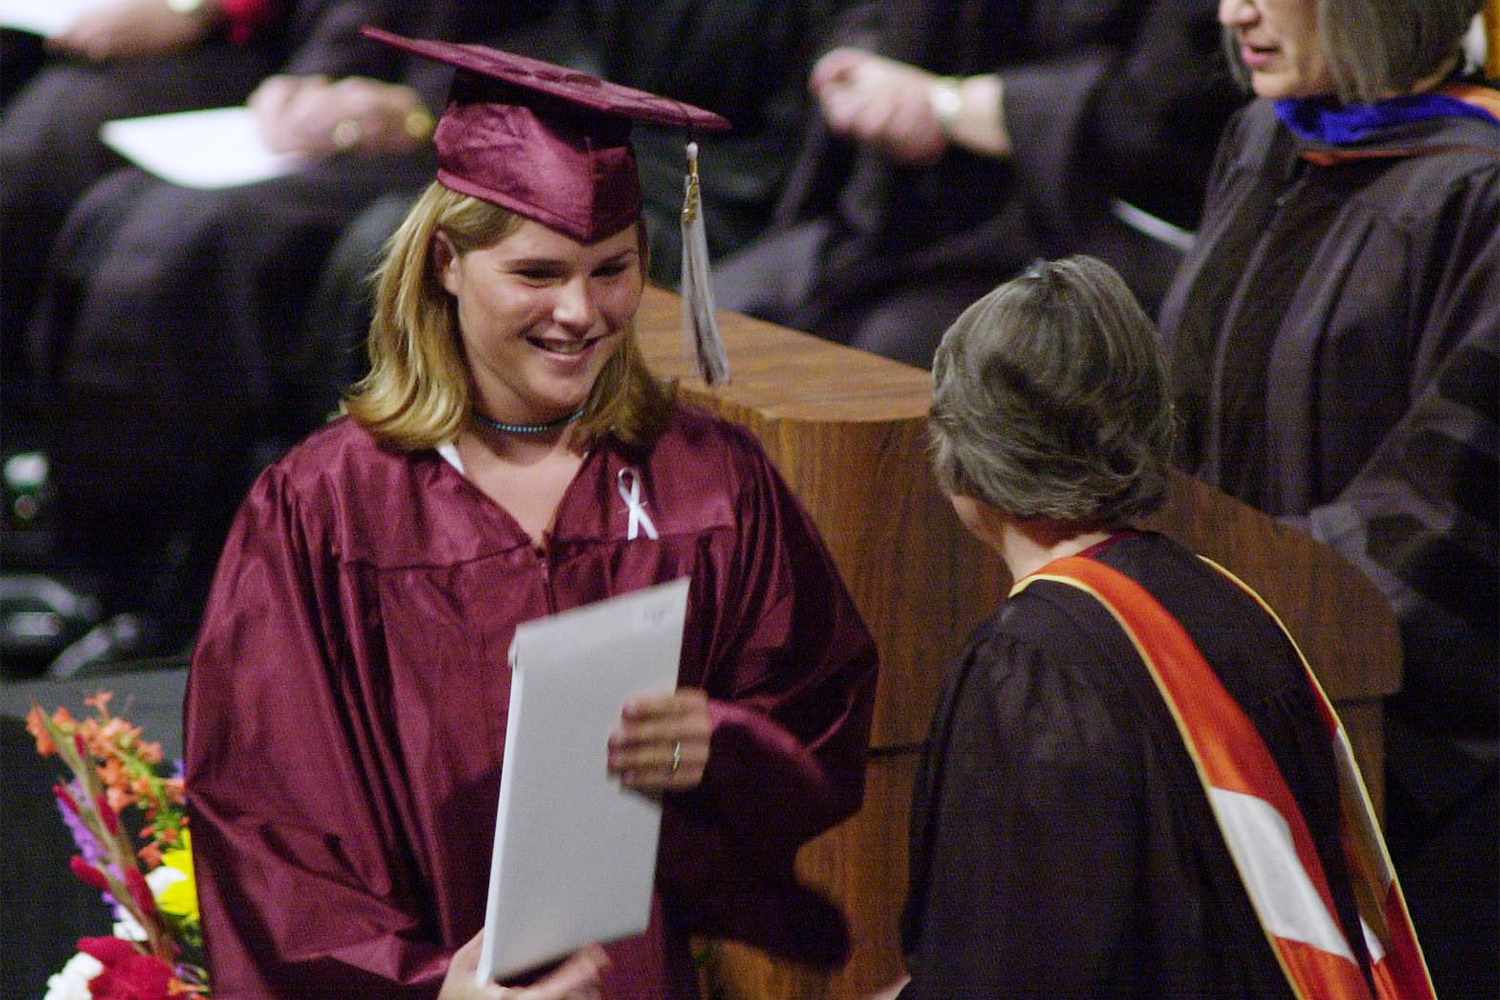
x,y
575,979
131,29
881,103
314,116
662,742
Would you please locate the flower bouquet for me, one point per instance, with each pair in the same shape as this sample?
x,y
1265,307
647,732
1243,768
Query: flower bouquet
x,y
117,784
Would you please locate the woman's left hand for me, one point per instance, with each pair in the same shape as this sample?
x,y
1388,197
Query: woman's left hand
x,y
315,116
662,741
578,978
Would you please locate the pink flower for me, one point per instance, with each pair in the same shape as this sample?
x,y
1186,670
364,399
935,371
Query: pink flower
x,y
118,798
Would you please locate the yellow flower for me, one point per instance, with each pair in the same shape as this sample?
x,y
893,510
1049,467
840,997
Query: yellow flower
x,y
180,898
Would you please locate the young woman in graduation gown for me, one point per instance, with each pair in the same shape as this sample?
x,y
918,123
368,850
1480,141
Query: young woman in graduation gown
x,y
509,457
1061,842
1335,342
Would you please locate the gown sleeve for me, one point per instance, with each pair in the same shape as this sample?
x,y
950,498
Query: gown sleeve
x,y
791,682
1092,120
1420,516
1026,848
303,889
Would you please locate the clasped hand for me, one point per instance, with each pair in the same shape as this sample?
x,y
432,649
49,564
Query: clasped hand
x,y
132,29
879,102
315,116
662,741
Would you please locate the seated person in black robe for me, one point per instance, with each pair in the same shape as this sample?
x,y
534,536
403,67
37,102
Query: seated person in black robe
x,y
957,142
1062,841
125,59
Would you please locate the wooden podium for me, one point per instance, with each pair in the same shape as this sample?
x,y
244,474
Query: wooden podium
x,y
848,432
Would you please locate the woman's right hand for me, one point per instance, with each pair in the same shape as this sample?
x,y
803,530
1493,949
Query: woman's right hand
x,y
879,102
576,979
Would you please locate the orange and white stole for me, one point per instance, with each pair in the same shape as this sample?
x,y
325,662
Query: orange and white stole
x,y
1266,833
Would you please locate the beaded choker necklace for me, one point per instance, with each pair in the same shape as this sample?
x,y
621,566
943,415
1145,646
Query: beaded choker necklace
x,y
542,428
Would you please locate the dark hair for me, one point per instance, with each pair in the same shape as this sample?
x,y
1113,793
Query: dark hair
x,y
1051,399
1380,48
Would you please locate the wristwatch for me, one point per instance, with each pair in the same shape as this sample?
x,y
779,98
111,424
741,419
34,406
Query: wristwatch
x,y
185,6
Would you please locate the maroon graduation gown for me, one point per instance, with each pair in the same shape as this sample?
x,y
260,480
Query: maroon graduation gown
x,y
346,708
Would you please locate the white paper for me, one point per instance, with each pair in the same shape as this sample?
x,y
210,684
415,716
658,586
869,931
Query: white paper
x,y
216,148
45,17
575,853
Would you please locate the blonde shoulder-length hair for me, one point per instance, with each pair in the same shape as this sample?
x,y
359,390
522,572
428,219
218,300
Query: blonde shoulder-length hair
x,y
417,393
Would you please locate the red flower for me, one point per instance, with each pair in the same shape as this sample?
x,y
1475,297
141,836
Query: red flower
x,y
140,891
65,797
88,874
110,817
128,974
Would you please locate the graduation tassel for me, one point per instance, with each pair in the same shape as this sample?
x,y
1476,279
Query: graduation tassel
x,y
700,329
1492,39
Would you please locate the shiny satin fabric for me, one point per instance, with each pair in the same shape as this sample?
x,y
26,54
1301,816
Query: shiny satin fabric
x,y
346,707
547,142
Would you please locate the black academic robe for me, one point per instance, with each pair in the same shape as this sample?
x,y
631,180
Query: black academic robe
x,y
745,61
50,152
1104,100
1061,842
347,698
1334,345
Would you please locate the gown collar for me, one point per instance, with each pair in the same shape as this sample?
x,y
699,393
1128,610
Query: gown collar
x,y
1324,121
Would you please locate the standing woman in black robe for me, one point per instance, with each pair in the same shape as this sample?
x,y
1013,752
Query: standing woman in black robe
x,y
1061,842
1335,343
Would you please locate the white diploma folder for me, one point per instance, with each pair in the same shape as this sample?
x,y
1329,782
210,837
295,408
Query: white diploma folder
x,y
45,17
575,852
208,149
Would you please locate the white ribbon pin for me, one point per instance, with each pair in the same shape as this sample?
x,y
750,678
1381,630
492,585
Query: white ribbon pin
x,y
630,491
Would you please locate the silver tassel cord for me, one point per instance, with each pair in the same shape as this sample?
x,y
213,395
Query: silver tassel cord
x,y
700,329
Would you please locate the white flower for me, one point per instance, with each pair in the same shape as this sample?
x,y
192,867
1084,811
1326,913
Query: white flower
x,y
158,879
128,928
162,876
72,983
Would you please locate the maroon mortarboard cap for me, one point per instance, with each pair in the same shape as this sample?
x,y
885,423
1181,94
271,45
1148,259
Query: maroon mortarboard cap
x,y
549,143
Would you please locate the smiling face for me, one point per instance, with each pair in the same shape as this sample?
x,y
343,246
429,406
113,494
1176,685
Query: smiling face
x,y
1279,44
539,315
